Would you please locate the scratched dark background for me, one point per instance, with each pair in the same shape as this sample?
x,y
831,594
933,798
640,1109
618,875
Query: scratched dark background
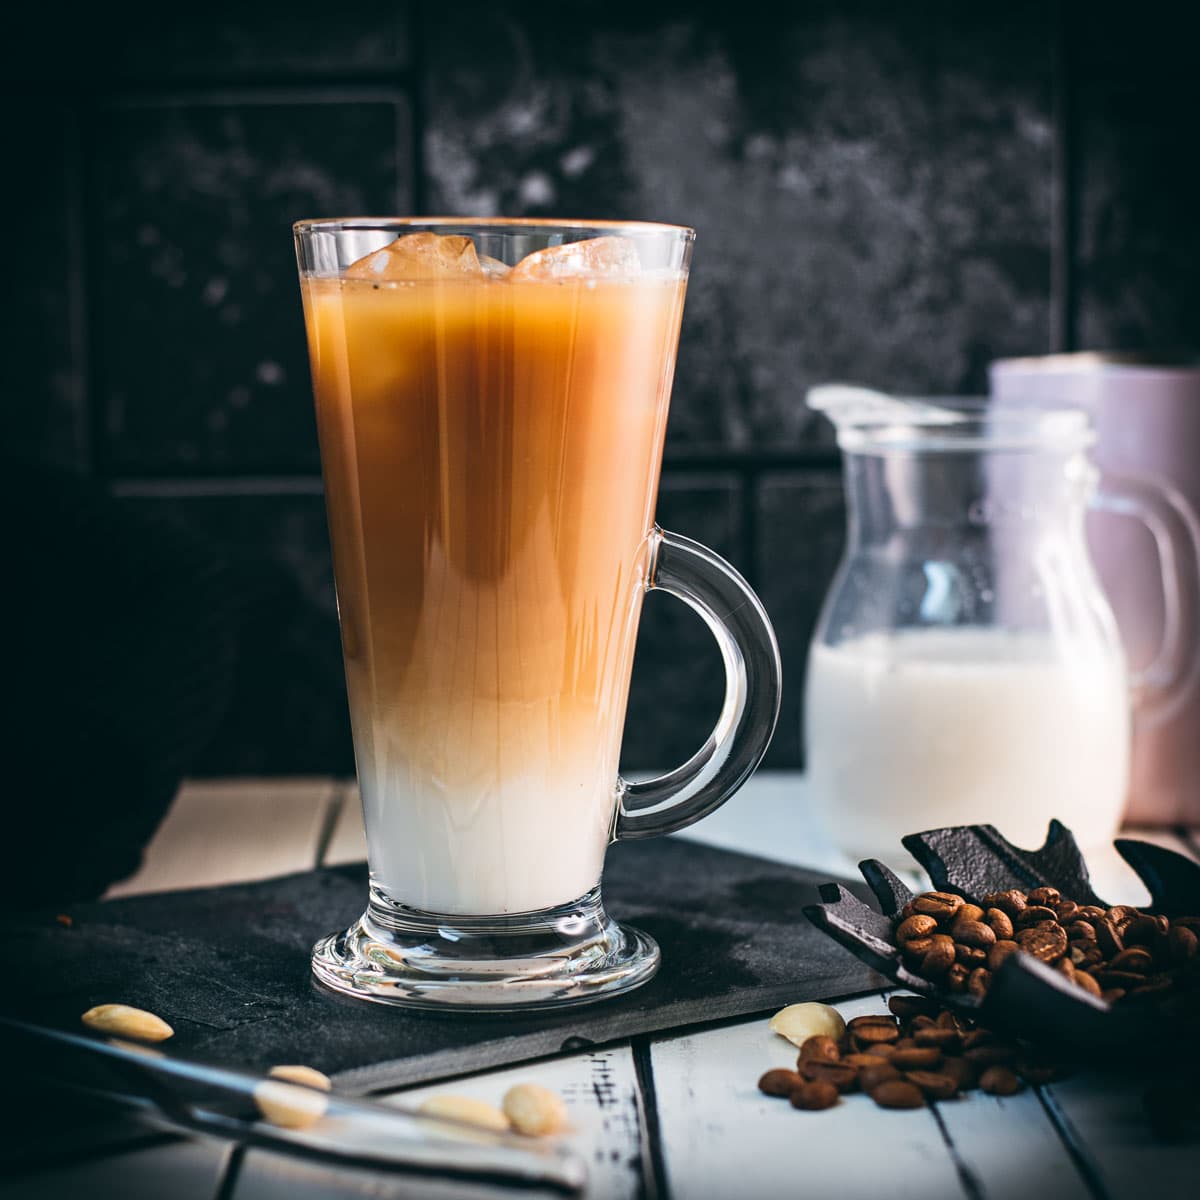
x,y
893,194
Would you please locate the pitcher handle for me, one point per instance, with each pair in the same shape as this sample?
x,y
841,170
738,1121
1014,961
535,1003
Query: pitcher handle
x,y
729,607
1169,677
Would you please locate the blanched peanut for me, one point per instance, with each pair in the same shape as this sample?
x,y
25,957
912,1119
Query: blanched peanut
x,y
308,1076
534,1110
798,1022
290,1105
122,1021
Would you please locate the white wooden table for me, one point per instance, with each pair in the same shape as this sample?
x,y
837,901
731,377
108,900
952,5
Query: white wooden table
x,y
666,1116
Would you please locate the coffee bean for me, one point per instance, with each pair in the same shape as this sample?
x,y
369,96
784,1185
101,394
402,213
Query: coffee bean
x,y
871,1077
1134,958
820,1045
1183,943
979,982
1122,914
840,1074
917,926
937,1037
999,1081
1066,967
974,933
964,1072
940,956
1011,902
993,1054
970,957
861,1062
871,1021
1141,931
919,1058
1112,995
1107,937
968,912
1034,914
916,948
1087,983
865,1044
937,904
1044,895
906,1006
1124,979
1065,910
815,1095
897,1093
956,978
865,1032
1147,989
1088,912
936,1085
1000,922
780,1082
1081,931
1048,945
999,952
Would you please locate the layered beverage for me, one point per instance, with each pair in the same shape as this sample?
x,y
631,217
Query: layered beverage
x,y
491,438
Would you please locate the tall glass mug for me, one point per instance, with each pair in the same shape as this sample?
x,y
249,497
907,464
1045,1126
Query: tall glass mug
x,y
491,401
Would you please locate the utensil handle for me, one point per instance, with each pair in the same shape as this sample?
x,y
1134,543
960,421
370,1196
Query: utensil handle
x,y
1169,677
736,617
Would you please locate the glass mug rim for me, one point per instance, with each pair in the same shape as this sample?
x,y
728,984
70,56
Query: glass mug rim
x,y
528,225
947,424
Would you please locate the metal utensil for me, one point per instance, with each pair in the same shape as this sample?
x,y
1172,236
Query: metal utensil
x,y
219,1102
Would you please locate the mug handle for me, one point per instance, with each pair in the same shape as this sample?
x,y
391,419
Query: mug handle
x,y
729,607
1160,686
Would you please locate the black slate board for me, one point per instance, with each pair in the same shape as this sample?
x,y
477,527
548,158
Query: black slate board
x,y
228,967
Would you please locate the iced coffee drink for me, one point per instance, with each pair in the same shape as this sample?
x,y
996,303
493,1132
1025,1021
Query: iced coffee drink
x,y
490,438
491,402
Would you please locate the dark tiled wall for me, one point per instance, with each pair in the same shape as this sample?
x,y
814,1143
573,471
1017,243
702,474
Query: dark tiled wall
x,y
893,194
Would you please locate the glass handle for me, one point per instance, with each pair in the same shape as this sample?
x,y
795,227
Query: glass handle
x,y
1173,524
707,583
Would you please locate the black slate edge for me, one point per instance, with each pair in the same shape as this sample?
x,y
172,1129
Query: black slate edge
x,y
675,1018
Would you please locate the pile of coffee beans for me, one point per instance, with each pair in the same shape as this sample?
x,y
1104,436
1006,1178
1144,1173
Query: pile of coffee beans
x,y
1117,953
921,1052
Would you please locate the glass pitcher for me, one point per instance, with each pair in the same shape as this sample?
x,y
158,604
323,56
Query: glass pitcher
x,y
966,666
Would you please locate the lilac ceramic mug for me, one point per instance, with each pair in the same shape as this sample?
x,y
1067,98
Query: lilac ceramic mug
x,y
1147,419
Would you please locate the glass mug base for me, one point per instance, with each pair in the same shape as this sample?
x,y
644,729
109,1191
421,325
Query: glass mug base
x,y
553,958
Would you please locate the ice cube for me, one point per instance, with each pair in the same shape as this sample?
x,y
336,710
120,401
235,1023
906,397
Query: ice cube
x,y
493,268
601,257
419,256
